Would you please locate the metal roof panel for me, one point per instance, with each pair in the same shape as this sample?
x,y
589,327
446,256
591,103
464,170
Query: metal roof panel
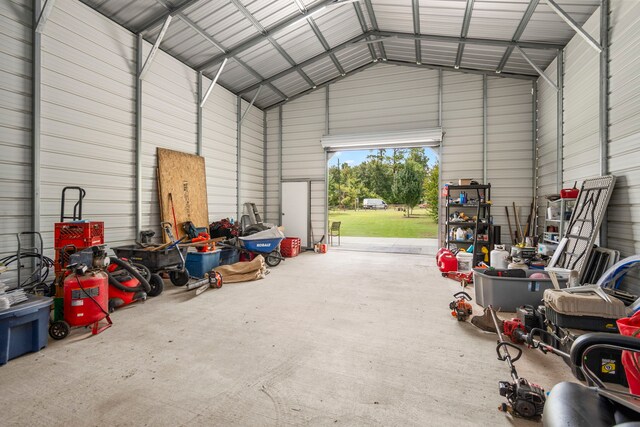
x,y
353,57
497,19
322,70
338,24
264,58
291,84
299,42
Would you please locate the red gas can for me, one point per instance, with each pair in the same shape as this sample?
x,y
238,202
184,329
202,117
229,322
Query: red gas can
x,y
441,252
86,298
448,262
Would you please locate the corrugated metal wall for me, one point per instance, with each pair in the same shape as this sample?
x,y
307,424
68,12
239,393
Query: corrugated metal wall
x,y
510,149
272,165
15,121
396,98
462,123
581,106
169,120
88,126
219,148
252,158
389,97
547,144
302,155
624,131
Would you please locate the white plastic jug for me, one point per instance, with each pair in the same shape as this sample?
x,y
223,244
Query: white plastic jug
x,y
498,258
465,261
460,234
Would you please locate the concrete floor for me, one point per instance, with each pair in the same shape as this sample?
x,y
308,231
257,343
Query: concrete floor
x,y
398,245
344,338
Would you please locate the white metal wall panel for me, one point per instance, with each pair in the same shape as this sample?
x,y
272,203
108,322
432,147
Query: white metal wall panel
x,y
462,124
15,121
462,119
384,98
624,131
252,157
88,120
219,148
302,154
509,148
547,144
169,120
272,166
581,106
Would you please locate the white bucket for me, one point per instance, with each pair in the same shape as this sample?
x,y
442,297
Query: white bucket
x,y
465,261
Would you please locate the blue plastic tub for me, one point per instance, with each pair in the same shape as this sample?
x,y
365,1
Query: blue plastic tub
x,y
229,256
200,263
23,328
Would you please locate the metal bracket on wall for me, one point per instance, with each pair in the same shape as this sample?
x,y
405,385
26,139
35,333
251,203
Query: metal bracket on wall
x,y
154,49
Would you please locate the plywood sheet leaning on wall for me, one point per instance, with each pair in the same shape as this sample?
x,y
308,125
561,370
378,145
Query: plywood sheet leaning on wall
x,y
182,190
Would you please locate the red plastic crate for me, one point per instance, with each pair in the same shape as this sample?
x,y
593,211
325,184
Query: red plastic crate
x,y
79,234
290,247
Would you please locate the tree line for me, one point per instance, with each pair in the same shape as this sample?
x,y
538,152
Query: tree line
x,y
397,176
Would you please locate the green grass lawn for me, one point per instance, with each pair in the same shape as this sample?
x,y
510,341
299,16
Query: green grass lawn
x,y
384,223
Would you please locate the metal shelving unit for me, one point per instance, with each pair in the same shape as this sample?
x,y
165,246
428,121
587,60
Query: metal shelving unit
x,y
478,208
565,208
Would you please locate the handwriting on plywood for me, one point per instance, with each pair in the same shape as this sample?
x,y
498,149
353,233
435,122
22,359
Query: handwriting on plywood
x,y
184,177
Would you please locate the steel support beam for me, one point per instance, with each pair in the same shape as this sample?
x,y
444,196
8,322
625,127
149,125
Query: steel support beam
x,y
363,25
264,164
138,154
259,38
534,136
172,12
327,130
250,104
199,118
328,82
154,49
560,122
44,16
271,40
469,40
518,33
464,31
304,63
440,152
464,70
604,107
538,69
573,24
213,83
415,6
36,80
280,165
239,156
374,24
325,45
485,141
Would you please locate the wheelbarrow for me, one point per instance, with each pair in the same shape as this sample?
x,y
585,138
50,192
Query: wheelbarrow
x,y
265,243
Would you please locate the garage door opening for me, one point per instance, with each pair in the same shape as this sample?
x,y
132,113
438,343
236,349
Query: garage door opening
x,y
384,197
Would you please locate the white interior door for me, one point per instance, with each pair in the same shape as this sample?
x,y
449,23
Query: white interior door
x,y
295,210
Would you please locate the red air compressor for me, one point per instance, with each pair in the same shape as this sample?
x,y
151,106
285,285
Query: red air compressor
x,y
85,294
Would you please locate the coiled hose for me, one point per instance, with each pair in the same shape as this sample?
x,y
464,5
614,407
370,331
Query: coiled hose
x,y
142,286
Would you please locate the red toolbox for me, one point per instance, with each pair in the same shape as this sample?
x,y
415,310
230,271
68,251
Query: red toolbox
x,y
290,247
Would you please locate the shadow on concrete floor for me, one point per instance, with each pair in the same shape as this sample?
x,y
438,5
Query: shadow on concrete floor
x,y
386,245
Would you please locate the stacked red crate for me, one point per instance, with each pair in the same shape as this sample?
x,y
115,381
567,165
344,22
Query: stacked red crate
x,y
290,247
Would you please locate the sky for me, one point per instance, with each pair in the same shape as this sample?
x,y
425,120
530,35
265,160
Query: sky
x,y
356,157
